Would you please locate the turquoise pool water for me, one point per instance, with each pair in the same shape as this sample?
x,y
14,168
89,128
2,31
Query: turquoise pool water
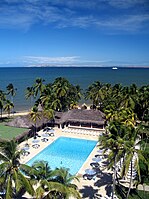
x,y
66,152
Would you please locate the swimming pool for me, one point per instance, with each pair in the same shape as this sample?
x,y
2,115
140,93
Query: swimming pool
x,y
66,152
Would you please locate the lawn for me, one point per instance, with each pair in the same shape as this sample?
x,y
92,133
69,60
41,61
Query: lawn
x,y
8,132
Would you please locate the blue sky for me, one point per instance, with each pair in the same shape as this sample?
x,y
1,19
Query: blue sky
x,y
74,32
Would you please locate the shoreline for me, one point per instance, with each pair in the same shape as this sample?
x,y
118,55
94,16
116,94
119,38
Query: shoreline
x,y
16,114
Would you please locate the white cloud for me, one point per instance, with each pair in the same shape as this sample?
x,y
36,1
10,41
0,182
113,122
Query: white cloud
x,y
126,22
79,13
64,61
50,60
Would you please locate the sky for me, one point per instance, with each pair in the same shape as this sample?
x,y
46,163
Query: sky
x,y
74,33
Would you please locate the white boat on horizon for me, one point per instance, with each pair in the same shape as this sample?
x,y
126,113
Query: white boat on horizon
x,y
114,68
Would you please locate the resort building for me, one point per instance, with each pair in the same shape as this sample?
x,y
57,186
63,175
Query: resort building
x,y
81,119
86,121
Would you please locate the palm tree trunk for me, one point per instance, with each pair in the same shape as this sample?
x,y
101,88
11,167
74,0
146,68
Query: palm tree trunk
x,y
130,181
114,177
1,112
35,131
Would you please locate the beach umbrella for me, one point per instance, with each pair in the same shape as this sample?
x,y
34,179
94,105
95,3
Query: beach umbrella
x,y
35,141
90,172
97,159
46,129
45,135
100,152
26,148
51,131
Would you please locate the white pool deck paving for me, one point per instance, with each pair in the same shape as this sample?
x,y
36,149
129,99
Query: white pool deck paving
x,y
88,189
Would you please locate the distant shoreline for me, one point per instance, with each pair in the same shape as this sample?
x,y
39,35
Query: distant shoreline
x,y
74,66
16,114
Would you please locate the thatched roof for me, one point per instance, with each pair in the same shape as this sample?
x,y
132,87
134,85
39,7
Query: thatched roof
x,y
81,115
24,121
74,115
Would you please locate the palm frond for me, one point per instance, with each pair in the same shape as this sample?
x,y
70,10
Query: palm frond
x,y
9,191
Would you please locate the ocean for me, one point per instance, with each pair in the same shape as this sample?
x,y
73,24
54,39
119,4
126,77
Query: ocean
x,y
22,77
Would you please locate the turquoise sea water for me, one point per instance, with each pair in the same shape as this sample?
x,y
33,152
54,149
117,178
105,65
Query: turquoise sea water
x,y
66,152
22,77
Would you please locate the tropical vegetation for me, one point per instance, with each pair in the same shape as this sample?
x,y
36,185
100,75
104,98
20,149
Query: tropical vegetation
x,y
60,95
7,99
38,180
127,117
126,138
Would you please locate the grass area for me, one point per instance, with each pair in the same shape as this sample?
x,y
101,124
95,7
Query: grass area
x,y
8,132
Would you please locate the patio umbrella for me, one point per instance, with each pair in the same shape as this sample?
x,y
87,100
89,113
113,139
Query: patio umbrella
x,y
46,129
98,159
26,148
35,141
90,172
100,152
45,135
51,131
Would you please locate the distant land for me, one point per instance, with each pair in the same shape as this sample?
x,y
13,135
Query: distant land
x,y
47,65
117,66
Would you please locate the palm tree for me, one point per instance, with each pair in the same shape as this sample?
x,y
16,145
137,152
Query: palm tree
x,y
39,86
12,180
113,141
47,96
143,103
74,95
56,105
111,113
48,113
94,93
65,178
129,97
54,183
2,101
115,96
35,116
127,117
8,106
12,92
30,93
60,88
132,149
40,174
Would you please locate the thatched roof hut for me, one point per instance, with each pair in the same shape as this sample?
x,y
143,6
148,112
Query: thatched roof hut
x,y
82,116
72,117
24,121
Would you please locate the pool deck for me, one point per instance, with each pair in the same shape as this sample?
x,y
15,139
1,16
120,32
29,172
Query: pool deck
x,y
88,189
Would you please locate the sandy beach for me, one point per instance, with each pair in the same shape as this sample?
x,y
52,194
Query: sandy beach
x,y
16,114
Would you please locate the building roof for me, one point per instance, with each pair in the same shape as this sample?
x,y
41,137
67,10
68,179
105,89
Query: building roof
x,y
81,115
74,115
24,121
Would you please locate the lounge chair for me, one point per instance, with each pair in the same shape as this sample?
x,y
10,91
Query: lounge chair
x,y
25,153
85,177
51,134
35,146
44,139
